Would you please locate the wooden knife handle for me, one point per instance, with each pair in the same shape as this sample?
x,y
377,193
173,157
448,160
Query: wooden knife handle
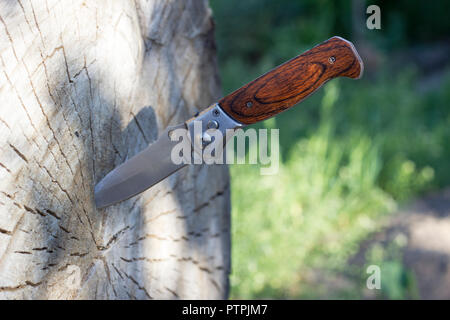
x,y
291,82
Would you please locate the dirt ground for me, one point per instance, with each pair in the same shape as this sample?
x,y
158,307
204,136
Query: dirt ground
x,y
426,227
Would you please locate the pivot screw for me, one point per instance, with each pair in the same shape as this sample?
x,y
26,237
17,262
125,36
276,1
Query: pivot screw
x,y
216,112
212,124
331,59
206,139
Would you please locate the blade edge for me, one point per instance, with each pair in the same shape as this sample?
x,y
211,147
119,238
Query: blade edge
x,y
139,173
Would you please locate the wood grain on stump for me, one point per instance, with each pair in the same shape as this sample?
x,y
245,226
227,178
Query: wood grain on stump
x,y
84,85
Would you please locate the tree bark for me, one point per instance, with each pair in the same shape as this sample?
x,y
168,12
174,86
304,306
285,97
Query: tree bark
x,y
84,85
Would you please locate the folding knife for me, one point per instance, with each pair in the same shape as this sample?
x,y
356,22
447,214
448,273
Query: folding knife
x,y
264,97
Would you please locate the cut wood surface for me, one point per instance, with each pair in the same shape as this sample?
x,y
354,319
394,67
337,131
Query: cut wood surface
x,y
85,85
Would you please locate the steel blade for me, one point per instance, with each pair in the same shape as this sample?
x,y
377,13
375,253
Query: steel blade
x,y
138,173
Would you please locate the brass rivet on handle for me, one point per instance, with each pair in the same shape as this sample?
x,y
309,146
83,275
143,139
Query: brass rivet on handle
x,y
249,104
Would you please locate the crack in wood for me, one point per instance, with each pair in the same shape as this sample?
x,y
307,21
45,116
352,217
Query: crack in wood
x,y
63,90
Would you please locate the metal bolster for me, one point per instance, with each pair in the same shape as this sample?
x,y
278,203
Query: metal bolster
x,y
212,118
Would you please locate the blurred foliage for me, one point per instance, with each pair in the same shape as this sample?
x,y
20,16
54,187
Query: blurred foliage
x,y
397,281
351,153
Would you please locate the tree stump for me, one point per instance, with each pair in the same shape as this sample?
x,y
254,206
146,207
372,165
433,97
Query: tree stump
x,y
85,85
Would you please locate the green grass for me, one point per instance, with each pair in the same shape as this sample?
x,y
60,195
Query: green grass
x,y
368,149
351,153
397,281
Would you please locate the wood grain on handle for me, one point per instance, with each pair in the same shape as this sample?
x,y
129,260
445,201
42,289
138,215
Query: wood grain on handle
x,y
289,83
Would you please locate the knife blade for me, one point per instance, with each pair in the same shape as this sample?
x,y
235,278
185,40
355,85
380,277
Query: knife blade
x,y
264,97
138,173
